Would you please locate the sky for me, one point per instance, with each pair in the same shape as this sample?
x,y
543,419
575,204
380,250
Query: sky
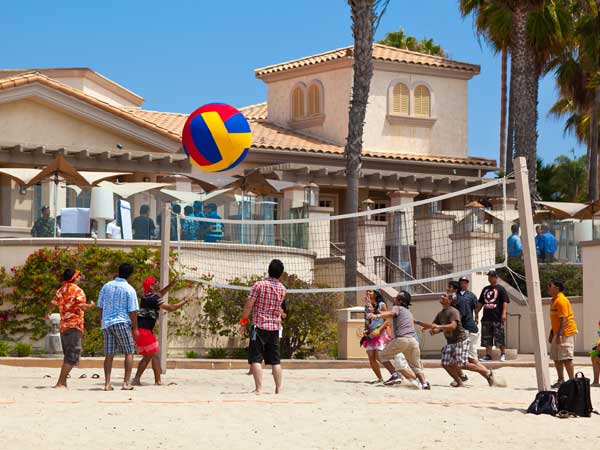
x,y
180,55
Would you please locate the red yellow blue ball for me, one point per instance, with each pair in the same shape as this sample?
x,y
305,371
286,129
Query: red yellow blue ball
x,y
216,137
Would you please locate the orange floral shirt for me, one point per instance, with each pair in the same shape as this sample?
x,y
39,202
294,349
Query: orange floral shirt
x,y
68,298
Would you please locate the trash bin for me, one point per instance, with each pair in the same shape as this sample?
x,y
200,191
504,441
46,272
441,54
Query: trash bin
x,y
351,324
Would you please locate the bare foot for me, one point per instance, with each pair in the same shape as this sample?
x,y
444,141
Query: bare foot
x,y
135,382
256,391
277,390
108,387
60,386
127,387
158,383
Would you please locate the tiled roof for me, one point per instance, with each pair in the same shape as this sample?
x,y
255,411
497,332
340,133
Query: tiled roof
x,y
268,136
380,53
125,113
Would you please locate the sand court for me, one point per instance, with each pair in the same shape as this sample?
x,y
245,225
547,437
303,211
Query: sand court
x,y
321,409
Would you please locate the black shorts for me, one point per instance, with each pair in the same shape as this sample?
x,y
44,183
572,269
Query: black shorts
x,y
264,344
71,345
493,333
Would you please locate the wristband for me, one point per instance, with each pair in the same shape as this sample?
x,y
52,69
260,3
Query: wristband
x,y
244,321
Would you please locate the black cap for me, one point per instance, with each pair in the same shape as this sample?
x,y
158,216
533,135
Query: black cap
x,y
492,273
463,279
45,207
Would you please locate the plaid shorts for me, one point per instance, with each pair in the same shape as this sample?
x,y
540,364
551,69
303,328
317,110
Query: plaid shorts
x,y
492,333
118,339
456,354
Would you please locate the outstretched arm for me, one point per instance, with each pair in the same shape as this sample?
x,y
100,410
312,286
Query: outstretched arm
x,y
170,307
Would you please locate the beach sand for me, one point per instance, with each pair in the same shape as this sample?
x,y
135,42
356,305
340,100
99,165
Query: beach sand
x,y
321,409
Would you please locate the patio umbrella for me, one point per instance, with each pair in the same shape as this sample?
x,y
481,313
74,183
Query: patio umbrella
x,y
209,181
170,195
564,210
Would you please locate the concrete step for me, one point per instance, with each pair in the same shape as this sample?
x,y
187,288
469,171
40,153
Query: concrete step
x,y
511,353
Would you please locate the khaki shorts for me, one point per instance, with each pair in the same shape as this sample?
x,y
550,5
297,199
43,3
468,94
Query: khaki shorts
x,y
473,344
409,347
564,351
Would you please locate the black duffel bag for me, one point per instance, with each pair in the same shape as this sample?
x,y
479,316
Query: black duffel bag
x,y
546,402
574,396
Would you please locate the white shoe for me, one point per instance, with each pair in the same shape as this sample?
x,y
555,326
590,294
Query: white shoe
x,y
416,384
502,357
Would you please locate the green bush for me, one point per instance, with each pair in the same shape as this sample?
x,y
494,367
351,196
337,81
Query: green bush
x,y
21,349
92,342
217,353
4,349
38,352
570,274
191,354
238,353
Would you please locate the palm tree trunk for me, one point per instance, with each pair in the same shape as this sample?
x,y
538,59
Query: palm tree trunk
x,y
525,93
362,31
510,130
593,162
503,111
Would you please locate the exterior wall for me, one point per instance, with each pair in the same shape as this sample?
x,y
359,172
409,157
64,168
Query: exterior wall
x,y
449,106
337,86
33,122
591,287
15,208
94,89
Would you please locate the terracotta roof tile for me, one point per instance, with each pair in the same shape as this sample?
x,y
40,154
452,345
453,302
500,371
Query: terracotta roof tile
x,y
125,113
267,136
380,53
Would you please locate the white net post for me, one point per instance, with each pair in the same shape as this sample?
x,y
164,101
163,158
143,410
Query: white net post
x,y
163,324
534,295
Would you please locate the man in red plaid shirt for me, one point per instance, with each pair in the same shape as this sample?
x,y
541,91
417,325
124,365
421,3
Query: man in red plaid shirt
x,y
265,301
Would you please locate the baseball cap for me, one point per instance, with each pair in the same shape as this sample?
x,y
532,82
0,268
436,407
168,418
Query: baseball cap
x,y
463,279
492,273
44,207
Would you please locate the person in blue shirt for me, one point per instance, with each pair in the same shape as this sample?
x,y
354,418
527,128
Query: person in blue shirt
x,y
214,230
550,244
118,305
539,242
199,212
515,248
189,228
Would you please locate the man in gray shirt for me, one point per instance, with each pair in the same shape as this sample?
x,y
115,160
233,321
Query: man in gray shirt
x,y
404,343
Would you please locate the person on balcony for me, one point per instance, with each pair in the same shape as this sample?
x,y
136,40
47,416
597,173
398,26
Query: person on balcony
x,y
189,227
44,225
143,226
514,245
214,230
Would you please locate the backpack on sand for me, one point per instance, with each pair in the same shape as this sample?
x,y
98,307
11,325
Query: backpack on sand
x,y
545,402
574,396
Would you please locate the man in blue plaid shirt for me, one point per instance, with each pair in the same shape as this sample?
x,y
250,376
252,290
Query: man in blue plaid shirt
x,y
118,307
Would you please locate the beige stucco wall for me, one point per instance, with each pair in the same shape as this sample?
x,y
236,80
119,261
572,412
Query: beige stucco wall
x,y
15,208
337,85
33,122
591,288
94,89
449,106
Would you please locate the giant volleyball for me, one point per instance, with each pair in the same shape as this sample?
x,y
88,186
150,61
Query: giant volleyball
x,y
216,137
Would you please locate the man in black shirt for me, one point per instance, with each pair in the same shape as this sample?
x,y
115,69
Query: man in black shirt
x,y
494,302
146,344
143,226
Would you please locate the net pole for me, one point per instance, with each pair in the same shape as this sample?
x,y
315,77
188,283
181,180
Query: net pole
x,y
165,240
534,295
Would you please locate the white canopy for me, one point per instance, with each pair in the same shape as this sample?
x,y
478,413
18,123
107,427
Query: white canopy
x,y
564,210
191,197
510,215
126,190
24,176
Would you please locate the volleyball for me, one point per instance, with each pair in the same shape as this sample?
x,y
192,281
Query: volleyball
x,y
216,137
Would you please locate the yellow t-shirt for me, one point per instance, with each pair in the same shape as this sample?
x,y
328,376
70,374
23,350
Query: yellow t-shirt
x,y
559,308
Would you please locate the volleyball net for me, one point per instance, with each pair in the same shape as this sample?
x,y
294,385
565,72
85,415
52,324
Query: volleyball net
x,y
417,246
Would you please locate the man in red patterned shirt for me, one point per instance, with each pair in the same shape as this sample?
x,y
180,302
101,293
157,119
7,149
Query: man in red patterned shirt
x,y
265,301
71,302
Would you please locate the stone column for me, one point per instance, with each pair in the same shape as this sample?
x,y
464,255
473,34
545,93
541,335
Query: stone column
x,y
474,249
319,232
590,325
293,197
371,243
401,232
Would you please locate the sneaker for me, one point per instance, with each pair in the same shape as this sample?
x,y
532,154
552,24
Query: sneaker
x,y
415,383
464,377
427,387
394,379
490,378
485,358
557,384
502,357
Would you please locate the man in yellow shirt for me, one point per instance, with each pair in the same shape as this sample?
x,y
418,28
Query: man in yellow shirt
x,y
562,334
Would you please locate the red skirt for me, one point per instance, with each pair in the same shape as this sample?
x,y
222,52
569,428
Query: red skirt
x,y
146,344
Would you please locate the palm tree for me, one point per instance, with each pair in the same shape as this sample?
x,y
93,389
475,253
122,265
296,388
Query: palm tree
x,y
365,18
400,39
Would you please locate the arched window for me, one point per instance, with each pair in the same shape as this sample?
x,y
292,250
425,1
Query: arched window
x,y
422,101
298,103
401,99
314,99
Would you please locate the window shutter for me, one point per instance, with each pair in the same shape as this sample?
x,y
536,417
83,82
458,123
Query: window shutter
x,y
297,103
422,101
400,99
314,99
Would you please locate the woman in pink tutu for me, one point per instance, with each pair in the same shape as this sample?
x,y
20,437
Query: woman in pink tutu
x,y
377,332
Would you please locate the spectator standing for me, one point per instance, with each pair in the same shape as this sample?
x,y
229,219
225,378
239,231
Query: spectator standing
x,y
562,333
550,244
514,245
118,307
214,230
539,243
44,225
143,226
494,302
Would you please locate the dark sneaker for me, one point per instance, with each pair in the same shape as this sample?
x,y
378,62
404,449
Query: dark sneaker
x,y
485,358
464,377
490,378
557,384
394,379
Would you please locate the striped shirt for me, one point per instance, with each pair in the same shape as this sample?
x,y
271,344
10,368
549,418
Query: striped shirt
x,y
117,299
267,295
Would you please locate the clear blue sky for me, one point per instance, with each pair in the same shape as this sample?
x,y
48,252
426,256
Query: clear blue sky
x,y
181,54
